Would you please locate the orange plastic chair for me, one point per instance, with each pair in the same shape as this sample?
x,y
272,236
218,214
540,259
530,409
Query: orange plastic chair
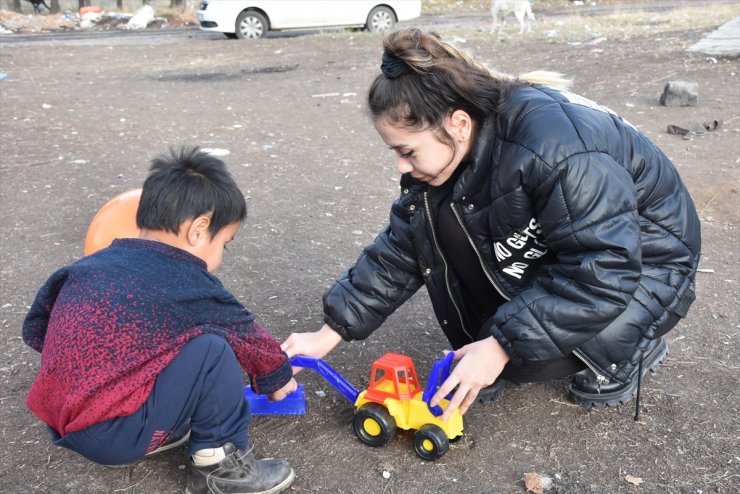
x,y
116,219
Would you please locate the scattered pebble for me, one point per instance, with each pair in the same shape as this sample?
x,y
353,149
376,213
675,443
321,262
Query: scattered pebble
x,y
216,151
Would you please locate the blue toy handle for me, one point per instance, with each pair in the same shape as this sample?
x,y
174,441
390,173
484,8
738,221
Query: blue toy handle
x,y
440,373
327,372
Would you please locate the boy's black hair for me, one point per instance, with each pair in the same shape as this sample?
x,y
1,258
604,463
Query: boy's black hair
x,y
186,184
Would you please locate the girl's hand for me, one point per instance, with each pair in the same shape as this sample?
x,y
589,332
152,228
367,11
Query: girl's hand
x,y
281,393
479,364
316,344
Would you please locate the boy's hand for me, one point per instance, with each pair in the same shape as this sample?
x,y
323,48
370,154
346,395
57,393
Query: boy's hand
x,y
281,393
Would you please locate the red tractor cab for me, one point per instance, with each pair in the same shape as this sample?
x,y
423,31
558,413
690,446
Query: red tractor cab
x,y
392,376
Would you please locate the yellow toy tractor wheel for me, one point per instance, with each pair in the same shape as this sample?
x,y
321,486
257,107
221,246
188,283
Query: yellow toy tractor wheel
x,y
374,425
430,442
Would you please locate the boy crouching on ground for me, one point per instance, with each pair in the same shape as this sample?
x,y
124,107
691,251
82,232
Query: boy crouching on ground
x,y
141,347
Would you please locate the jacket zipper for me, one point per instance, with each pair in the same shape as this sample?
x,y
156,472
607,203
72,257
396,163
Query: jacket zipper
x,y
477,253
444,261
600,378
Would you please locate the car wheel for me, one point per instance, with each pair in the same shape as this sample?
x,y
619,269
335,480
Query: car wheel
x,y
251,25
430,442
374,425
380,20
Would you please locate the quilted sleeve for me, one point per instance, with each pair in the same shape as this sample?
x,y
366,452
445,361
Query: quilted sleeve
x,y
383,277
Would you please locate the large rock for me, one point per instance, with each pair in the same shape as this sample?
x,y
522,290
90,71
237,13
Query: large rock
x,y
680,93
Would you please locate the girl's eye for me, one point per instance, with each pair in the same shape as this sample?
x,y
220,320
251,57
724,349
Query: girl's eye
x,y
407,154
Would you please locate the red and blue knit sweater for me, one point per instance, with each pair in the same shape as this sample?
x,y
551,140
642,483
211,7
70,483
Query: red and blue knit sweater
x,y
108,324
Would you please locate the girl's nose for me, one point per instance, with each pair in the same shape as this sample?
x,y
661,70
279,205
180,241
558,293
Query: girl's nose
x,y
403,165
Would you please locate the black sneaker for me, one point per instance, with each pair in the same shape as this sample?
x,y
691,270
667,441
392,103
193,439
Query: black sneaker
x,y
585,389
492,392
240,473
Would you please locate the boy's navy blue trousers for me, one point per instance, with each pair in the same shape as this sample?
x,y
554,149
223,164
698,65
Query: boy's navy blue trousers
x,y
202,389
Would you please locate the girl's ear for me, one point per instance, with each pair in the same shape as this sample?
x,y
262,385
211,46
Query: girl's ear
x,y
198,230
460,125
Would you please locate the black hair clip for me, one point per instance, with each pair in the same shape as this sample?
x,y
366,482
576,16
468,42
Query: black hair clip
x,y
393,67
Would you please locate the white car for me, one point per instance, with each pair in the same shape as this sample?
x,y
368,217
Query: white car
x,y
254,18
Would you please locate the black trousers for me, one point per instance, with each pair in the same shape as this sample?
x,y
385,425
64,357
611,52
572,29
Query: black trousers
x,y
565,366
542,372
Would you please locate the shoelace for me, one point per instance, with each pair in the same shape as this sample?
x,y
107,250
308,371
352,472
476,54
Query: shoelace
x,y
639,381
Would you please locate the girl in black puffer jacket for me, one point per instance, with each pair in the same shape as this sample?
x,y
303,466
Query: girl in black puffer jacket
x,y
554,239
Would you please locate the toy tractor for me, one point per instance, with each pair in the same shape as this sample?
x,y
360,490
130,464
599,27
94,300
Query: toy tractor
x,y
394,399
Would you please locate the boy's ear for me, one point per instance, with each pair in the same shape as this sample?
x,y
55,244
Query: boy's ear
x,y
198,230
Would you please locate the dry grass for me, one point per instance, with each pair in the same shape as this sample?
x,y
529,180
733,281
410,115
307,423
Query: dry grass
x,y
460,6
619,24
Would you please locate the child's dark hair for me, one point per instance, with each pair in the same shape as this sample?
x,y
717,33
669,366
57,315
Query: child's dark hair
x,y
186,184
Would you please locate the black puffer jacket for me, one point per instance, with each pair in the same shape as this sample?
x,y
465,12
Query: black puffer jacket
x,y
578,220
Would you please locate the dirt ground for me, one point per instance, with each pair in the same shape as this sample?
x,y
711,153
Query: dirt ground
x,y
79,123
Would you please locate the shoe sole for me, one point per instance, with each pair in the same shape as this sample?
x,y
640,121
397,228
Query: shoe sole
x,y
170,446
650,364
161,449
282,486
